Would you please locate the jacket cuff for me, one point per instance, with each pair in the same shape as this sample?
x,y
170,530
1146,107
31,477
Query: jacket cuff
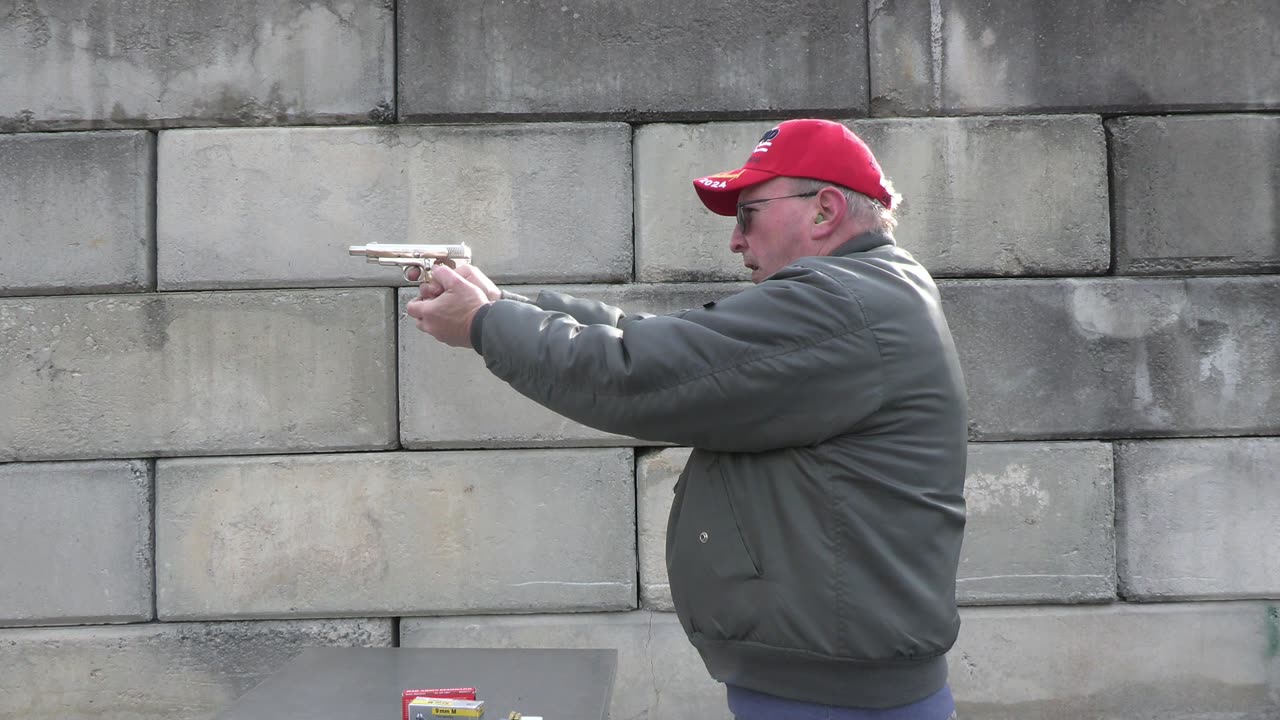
x,y
477,328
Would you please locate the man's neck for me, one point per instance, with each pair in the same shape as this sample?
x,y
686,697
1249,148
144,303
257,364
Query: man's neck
x,y
862,241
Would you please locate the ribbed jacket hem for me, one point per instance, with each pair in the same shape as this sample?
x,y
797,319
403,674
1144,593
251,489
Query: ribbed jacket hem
x,y
814,678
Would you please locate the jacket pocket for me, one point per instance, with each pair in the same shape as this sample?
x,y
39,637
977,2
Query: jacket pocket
x,y
709,566
709,532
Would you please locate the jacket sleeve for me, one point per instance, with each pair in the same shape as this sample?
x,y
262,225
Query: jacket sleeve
x,y
788,362
586,312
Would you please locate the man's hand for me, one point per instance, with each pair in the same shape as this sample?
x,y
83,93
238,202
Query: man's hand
x,y
473,275
469,272
446,306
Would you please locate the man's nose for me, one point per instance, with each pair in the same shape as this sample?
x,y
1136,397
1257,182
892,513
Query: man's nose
x,y
737,241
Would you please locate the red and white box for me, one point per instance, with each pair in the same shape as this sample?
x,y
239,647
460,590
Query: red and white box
x,y
448,693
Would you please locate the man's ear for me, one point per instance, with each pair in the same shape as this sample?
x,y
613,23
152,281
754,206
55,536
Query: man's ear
x,y
831,210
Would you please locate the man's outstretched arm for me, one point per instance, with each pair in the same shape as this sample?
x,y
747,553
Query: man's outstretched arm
x,y
753,372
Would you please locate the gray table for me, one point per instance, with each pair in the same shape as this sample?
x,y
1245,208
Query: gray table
x,y
366,683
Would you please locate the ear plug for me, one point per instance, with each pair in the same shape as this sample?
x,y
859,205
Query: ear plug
x,y
818,219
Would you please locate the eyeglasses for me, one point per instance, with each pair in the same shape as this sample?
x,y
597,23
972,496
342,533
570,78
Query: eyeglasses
x,y
744,218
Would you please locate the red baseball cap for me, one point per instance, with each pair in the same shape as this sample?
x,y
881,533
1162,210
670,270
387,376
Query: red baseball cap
x,y
817,149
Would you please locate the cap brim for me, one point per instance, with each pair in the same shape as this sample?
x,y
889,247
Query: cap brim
x,y
719,192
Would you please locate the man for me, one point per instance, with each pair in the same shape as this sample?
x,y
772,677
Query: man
x,y
815,532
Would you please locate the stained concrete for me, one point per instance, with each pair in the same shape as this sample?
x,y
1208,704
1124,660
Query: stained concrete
x,y
974,56
142,63
635,60
395,534
76,213
106,376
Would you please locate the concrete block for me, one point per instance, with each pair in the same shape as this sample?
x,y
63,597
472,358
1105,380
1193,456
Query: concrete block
x,y
972,205
1198,519
1039,523
972,56
659,674
633,60
157,671
75,209
395,533
1102,358
1196,194
656,474
77,543
280,207
677,238
196,374
134,63
1194,661
448,399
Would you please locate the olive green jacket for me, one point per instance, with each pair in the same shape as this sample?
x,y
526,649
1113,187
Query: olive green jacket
x,y
815,532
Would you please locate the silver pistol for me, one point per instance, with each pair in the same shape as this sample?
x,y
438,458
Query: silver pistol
x,y
423,257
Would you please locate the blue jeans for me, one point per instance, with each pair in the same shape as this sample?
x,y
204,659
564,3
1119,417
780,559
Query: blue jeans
x,y
750,705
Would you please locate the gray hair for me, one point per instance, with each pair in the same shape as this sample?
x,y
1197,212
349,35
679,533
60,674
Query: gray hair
x,y
868,212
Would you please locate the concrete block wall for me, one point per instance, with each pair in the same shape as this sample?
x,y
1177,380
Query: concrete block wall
x,y
221,440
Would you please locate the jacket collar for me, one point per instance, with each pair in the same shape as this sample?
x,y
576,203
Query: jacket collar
x,y
864,242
